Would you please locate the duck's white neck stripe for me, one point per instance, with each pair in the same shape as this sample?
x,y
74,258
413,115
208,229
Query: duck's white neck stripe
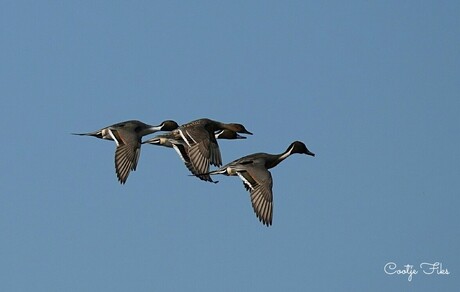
x,y
286,154
217,134
156,128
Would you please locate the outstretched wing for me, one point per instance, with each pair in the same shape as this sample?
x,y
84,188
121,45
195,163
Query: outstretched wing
x,y
202,148
258,181
126,154
184,154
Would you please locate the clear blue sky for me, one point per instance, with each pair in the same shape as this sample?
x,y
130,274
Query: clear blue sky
x,y
371,88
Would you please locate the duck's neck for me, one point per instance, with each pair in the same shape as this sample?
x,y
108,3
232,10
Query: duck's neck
x,y
276,159
219,126
150,130
213,126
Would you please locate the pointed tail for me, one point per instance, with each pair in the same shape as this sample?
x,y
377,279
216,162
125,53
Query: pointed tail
x,y
97,134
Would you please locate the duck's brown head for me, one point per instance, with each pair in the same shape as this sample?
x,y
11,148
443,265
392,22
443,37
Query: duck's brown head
x,y
228,134
169,125
239,128
299,147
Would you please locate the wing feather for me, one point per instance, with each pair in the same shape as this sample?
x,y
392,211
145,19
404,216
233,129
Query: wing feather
x,y
126,154
258,181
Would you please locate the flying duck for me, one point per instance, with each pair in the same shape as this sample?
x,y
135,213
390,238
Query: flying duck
x,y
198,138
253,171
167,140
127,136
